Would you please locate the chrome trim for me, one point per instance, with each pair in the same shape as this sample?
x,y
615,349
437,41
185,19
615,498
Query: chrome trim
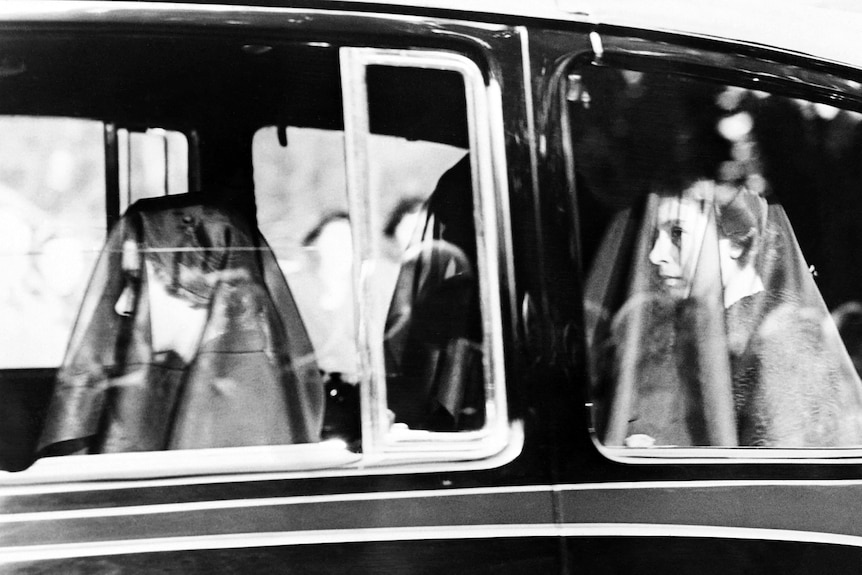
x,y
117,471
161,464
332,498
731,455
170,508
82,12
487,157
500,233
366,248
11,555
55,9
534,144
704,532
596,45
504,237
682,484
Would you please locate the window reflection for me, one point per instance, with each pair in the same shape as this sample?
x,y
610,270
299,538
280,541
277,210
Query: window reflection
x,y
51,229
705,322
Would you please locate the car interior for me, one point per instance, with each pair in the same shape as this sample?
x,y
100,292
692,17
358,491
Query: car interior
x,y
193,246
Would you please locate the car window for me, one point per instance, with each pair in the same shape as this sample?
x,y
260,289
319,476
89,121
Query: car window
x,y
152,162
305,215
53,203
307,274
53,176
721,301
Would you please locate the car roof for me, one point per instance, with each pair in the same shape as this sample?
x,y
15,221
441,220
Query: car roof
x,y
824,29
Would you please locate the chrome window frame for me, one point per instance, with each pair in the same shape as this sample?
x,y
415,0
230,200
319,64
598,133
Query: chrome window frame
x,y
753,69
483,106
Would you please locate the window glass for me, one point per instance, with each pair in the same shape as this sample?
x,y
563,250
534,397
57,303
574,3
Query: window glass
x,y
224,274
720,225
52,207
152,163
432,330
304,213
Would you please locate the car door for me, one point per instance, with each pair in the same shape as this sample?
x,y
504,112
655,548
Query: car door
x,y
301,132
705,445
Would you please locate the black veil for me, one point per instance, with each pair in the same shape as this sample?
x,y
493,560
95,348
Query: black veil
x,y
188,337
735,348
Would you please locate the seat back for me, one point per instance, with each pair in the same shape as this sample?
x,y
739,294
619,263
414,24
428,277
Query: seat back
x,y
188,337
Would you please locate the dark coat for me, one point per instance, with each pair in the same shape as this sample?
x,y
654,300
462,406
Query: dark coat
x,y
792,382
794,385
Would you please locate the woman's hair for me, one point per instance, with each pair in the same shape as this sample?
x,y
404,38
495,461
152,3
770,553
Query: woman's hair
x,y
740,213
741,217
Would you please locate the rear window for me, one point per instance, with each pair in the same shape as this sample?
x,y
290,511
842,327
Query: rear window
x,y
719,241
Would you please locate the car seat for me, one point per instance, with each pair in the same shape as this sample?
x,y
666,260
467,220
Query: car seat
x,y
188,337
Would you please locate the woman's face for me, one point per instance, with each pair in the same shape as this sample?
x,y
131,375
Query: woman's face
x,y
680,227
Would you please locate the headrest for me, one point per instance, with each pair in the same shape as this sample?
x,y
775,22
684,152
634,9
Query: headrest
x,y
189,240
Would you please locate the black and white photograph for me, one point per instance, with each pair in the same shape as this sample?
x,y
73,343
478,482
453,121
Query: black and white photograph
x,y
421,287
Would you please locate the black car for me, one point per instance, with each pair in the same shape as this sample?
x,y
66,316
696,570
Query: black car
x,y
430,287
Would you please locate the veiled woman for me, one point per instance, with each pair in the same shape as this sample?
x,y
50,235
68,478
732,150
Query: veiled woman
x,y
723,338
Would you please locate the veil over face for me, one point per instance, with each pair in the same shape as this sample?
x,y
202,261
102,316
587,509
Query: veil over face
x,y
704,323
711,331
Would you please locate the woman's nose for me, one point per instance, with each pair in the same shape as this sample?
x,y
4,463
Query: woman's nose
x,y
660,253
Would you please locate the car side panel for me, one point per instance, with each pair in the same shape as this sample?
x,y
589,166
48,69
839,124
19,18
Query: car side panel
x,y
431,557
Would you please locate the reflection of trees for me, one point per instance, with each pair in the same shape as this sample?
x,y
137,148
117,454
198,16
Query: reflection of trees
x,y
643,132
43,274
296,186
811,156
45,159
51,185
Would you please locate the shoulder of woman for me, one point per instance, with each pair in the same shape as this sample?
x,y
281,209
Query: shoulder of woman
x,y
801,396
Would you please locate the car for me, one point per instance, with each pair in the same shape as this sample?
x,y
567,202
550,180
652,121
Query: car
x,y
401,286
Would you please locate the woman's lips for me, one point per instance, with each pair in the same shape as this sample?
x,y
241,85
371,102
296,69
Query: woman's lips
x,y
673,282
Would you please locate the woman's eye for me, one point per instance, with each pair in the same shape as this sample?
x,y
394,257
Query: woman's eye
x,y
676,235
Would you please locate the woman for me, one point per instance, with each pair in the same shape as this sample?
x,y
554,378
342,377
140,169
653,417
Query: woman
x,y
724,338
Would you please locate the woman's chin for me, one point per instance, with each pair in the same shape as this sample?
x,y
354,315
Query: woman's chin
x,y
674,287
